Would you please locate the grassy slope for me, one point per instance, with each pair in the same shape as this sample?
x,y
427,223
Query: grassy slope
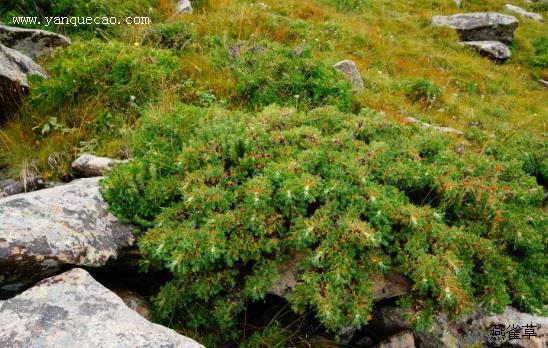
x,y
391,41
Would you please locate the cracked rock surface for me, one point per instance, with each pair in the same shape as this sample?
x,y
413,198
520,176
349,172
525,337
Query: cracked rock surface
x,y
66,225
73,310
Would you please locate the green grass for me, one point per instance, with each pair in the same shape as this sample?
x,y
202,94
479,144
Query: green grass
x,y
391,42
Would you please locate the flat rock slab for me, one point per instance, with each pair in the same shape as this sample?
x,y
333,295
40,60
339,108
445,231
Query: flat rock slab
x,y
494,50
44,230
522,12
480,26
73,310
31,42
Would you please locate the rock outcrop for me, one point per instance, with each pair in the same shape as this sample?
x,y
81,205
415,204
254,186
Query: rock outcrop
x,y
73,310
33,43
522,12
494,50
66,225
474,330
89,165
480,26
349,68
477,329
15,68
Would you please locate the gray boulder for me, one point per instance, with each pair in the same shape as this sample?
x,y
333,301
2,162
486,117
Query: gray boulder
x,y
65,225
495,50
73,310
522,12
349,68
480,26
15,68
88,165
34,43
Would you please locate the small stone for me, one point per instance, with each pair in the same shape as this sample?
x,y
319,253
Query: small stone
x,y
10,188
89,165
184,6
298,51
437,128
349,68
522,12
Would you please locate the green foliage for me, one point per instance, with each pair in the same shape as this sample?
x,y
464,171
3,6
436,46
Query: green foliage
x,y
122,76
348,5
540,58
226,197
274,74
52,125
539,6
176,36
424,91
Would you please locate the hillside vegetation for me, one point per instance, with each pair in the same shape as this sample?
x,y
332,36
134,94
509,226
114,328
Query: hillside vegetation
x,y
249,150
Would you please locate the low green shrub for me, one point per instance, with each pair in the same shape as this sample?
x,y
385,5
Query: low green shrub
x,y
272,73
176,36
424,91
224,198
